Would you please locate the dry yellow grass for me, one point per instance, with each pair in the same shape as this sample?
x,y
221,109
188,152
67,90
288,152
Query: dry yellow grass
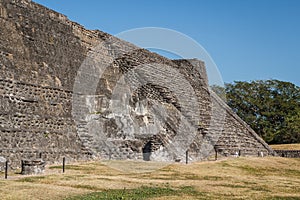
x,y
285,146
240,178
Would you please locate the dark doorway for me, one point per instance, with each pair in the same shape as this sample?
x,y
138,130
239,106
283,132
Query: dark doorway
x,y
147,151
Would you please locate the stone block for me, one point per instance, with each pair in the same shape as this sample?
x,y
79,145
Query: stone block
x,y
2,163
36,166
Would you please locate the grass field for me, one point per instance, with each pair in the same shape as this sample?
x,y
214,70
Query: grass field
x,y
239,178
285,146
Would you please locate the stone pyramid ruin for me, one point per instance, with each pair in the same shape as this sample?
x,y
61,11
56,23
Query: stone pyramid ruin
x,y
82,94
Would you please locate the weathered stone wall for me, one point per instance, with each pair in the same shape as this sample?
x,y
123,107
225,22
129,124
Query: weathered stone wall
x,y
288,153
62,93
237,136
39,55
2,163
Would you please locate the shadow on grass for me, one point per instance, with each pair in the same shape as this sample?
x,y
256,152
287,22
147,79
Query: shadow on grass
x,y
141,193
283,198
32,179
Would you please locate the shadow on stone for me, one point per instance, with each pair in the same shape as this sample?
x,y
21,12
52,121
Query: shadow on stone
x,y
147,151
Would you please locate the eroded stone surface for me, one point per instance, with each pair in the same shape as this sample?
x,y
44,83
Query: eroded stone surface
x,y
36,166
2,163
70,92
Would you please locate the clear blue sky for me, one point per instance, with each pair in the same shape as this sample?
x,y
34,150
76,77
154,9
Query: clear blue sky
x,y
247,39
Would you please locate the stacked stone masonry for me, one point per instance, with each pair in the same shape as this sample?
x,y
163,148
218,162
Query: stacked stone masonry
x,y
46,108
288,153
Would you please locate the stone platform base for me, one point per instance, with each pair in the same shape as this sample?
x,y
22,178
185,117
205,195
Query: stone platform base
x,y
33,167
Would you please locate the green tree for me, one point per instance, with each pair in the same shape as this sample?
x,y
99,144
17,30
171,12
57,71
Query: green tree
x,y
271,108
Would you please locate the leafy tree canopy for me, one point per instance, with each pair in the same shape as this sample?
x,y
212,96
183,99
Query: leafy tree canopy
x,y
271,108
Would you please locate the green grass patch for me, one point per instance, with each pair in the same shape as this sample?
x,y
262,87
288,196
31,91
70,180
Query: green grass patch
x,y
212,178
32,179
292,172
283,198
72,177
261,188
190,176
231,185
88,187
73,167
249,183
253,170
139,193
264,171
225,164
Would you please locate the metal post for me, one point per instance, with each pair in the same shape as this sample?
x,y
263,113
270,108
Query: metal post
x,y
240,153
187,157
216,154
6,169
22,166
64,162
